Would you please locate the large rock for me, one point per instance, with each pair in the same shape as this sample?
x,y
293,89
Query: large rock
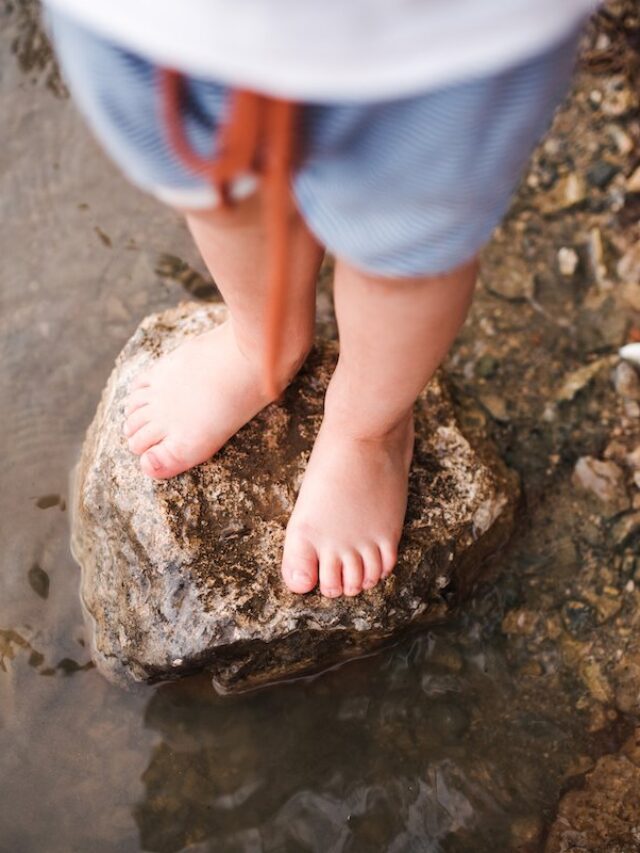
x,y
184,575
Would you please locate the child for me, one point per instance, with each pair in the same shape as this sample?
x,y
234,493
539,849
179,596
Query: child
x,y
414,122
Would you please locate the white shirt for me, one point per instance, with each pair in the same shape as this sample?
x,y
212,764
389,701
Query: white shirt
x,y
327,50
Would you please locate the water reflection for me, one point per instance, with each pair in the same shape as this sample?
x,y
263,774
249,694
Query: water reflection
x,y
397,753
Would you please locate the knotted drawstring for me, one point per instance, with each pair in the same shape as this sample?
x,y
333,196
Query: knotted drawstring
x,y
256,138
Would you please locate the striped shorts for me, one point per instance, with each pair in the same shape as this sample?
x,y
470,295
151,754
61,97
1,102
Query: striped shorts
x,y
405,187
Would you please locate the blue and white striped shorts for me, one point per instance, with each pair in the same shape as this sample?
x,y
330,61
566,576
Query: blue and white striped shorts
x,y
405,187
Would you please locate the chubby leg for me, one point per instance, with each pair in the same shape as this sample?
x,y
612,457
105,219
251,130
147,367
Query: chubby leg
x,y
182,410
347,522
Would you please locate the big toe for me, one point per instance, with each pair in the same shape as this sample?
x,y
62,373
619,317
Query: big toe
x,y
299,563
161,462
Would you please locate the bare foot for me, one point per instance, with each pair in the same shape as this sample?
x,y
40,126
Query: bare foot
x,y
347,522
182,410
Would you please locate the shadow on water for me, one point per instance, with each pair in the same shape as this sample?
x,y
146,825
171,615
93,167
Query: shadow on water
x,y
425,747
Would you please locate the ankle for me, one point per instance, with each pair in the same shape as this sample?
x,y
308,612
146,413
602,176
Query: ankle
x,y
360,423
295,350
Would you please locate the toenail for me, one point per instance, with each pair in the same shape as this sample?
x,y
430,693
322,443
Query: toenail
x,y
368,584
333,592
301,575
153,459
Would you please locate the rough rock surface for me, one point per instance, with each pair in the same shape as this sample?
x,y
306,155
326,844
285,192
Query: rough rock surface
x,y
603,817
182,575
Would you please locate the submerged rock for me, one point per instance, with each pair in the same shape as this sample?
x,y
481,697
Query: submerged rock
x,y
184,575
603,817
605,480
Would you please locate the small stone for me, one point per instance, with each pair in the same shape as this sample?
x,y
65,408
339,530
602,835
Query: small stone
x,y
595,97
627,681
630,352
38,581
567,261
595,681
625,528
626,381
568,192
618,98
496,406
630,294
603,479
601,173
520,622
597,258
486,366
624,143
532,669
576,380
629,264
514,284
607,607
579,618
632,458
633,182
526,830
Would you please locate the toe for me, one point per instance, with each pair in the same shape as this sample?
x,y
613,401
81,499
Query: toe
x,y
330,575
144,438
161,461
372,562
389,554
135,400
352,572
136,421
299,563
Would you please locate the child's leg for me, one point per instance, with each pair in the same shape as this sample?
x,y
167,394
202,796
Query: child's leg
x,y
348,519
193,400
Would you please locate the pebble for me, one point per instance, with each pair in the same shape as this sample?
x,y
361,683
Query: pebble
x,y
625,528
521,622
579,618
618,98
567,261
629,264
38,581
626,381
526,830
496,406
630,294
601,173
623,141
568,192
576,380
595,681
633,182
596,257
514,285
630,352
603,479
486,366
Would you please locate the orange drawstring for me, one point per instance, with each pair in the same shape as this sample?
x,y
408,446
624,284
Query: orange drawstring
x,y
257,137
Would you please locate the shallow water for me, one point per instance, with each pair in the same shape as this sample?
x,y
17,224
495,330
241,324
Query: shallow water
x,y
430,746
